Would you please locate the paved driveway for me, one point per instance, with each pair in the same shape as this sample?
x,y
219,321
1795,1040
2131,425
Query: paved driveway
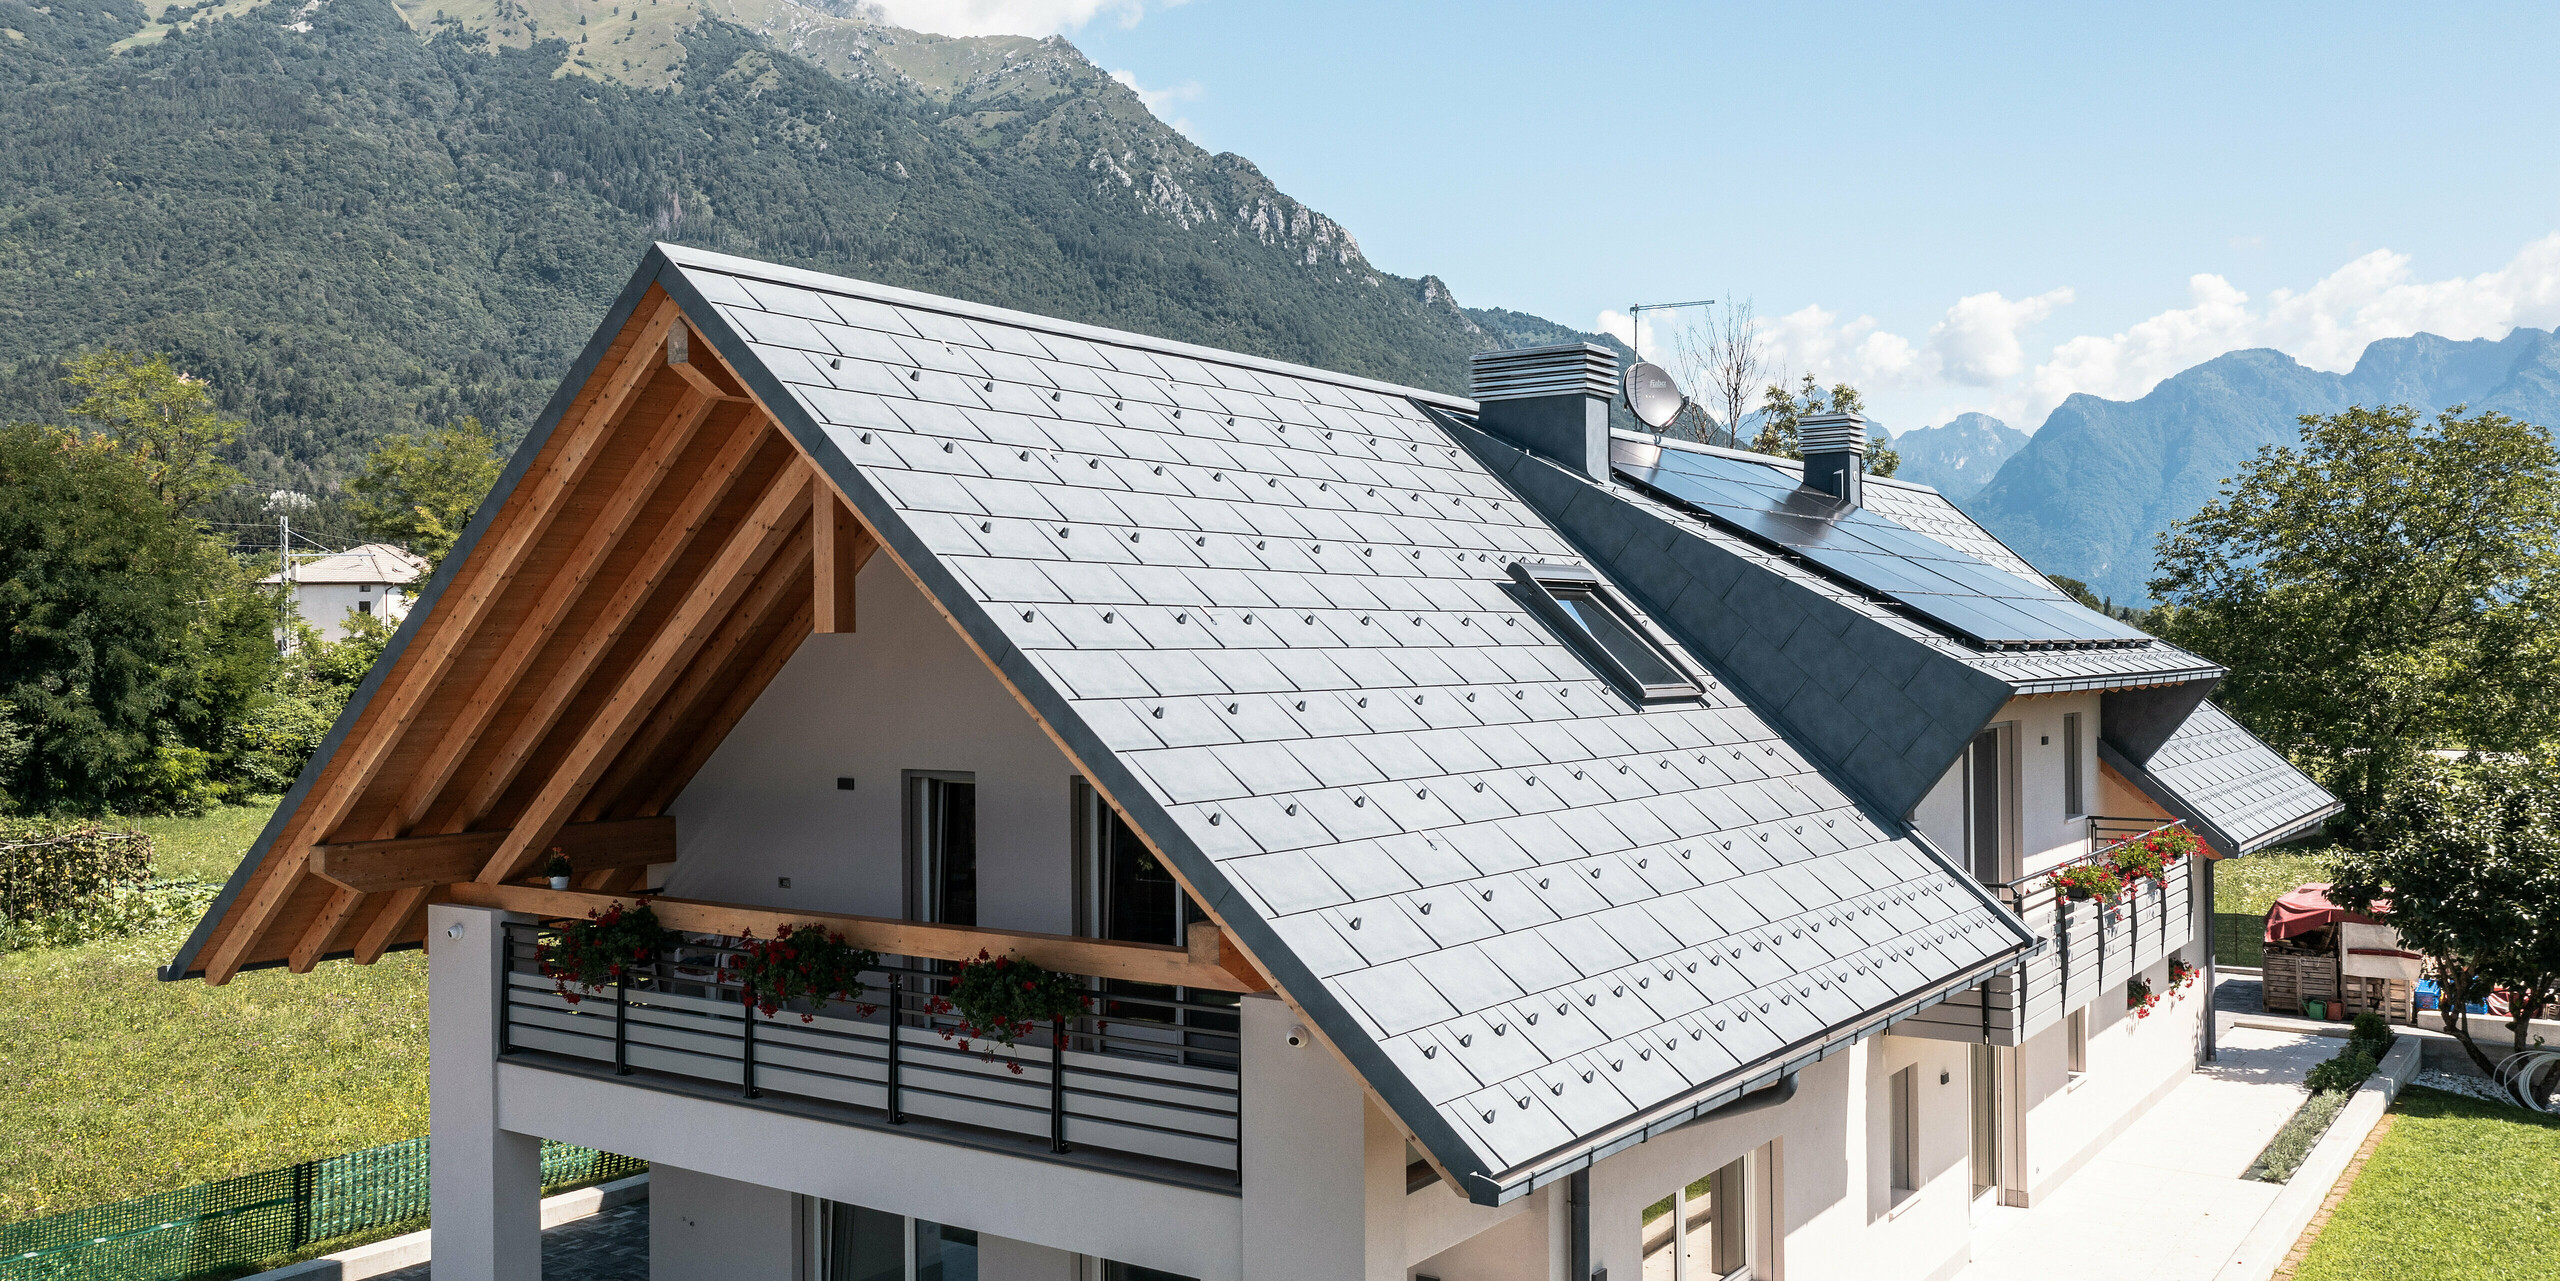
x,y
611,1246
2165,1200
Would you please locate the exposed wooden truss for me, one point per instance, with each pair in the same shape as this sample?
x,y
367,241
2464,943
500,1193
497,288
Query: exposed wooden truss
x,y
642,581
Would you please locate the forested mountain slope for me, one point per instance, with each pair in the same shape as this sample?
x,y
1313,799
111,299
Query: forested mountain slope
x,y
356,220
2096,485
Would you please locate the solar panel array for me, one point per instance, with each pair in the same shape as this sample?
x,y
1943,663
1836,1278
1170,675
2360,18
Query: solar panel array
x,y
1981,604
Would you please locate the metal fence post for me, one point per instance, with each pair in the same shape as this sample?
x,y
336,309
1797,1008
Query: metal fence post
x,y
621,1029
897,1015
1058,1086
303,1172
747,1057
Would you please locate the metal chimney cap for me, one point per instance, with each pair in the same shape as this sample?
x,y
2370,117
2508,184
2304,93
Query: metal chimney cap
x,y
1563,369
1832,434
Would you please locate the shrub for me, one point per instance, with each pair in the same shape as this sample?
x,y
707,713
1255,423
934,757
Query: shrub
x,y
2342,1074
50,867
2284,1153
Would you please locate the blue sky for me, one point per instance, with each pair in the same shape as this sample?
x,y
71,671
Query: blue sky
x,y
1981,211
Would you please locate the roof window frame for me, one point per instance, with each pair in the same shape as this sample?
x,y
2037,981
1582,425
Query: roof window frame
x,y
1537,582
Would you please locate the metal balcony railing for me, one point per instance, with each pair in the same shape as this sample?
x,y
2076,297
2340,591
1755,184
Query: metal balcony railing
x,y
2090,946
1148,1083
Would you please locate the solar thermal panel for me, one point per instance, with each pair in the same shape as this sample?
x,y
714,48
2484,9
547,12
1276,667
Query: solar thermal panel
x,y
1975,601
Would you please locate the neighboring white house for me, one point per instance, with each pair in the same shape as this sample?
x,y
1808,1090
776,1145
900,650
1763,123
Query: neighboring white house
x,y
375,578
1500,850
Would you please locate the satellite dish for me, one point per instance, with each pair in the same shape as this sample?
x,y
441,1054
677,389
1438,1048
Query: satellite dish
x,y
1651,393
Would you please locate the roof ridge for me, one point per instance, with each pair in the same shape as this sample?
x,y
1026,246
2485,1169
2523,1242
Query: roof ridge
x,y
686,258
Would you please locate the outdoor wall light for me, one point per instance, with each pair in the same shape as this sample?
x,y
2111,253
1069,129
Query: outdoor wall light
x,y
1298,1037
453,931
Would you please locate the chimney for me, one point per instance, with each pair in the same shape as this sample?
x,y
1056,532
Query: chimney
x,y
1835,454
1551,401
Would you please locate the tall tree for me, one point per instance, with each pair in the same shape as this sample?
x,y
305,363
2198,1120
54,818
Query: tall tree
x,y
421,490
2470,868
2383,588
129,643
1720,363
161,417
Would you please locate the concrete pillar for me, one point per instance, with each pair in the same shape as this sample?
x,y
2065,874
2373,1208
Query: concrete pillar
x,y
1306,1202
486,1182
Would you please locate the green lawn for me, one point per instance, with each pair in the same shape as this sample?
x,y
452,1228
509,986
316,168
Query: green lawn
x,y
202,849
2459,1190
120,1085
2253,882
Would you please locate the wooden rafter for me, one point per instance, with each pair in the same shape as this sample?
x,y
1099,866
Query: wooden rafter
x,y
838,541
316,937
733,707
783,580
422,667
778,511
416,861
665,548
550,608
1195,967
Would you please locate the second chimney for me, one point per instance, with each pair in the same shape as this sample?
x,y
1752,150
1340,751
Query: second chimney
x,y
1552,401
1835,455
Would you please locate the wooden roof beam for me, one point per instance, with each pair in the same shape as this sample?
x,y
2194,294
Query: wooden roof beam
x,y
450,625
841,544
782,583
1195,967
550,609
710,486
777,513
412,862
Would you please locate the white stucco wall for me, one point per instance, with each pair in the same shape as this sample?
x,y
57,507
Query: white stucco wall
x,y
2133,1063
901,693
326,605
703,1226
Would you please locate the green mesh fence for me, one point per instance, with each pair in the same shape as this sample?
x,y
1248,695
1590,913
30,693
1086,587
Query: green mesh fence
x,y
2240,938
232,1224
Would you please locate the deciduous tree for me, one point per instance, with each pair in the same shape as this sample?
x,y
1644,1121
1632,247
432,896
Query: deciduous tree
x,y
2383,588
421,490
159,416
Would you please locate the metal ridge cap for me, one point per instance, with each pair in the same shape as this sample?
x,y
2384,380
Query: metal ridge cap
x,y
1706,1099
686,258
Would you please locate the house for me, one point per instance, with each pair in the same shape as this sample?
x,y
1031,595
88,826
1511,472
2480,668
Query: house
x,y
375,578
1498,848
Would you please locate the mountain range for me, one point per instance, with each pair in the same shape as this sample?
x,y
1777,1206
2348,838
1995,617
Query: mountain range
x,y
358,217
2090,492
1959,457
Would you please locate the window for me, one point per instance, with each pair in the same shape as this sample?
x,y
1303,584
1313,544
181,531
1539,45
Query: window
x,y
1986,808
1124,893
1902,1118
2075,1032
942,847
2073,805
1591,618
856,1243
364,607
1715,1227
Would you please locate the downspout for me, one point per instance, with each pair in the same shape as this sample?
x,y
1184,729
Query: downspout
x,y
1577,1187
2212,943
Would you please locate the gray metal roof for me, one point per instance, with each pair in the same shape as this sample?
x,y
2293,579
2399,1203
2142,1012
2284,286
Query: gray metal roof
x,y
1265,606
2240,793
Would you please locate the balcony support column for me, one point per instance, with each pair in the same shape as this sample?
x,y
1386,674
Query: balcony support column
x,y
486,1183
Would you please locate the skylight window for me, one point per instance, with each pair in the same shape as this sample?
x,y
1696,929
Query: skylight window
x,y
1591,618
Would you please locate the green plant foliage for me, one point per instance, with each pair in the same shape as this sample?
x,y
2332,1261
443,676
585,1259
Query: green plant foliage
x,y
999,999
131,647
1782,412
808,963
50,867
162,418
2285,1152
2383,587
420,491
2087,880
617,945
2341,1074
2471,874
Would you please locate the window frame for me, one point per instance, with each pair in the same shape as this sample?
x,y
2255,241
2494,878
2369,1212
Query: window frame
x,y
2075,1045
1536,583
2075,800
1902,1140
922,899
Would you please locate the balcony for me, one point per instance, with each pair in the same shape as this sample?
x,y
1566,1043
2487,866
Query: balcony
x,y
2087,947
1146,1086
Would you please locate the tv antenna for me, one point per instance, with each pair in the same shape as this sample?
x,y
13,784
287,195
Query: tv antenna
x,y
1635,318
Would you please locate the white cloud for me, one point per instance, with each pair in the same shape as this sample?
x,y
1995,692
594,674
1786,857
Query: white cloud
x,y
1657,337
1978,343
1009,17
1975,356
1157,100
